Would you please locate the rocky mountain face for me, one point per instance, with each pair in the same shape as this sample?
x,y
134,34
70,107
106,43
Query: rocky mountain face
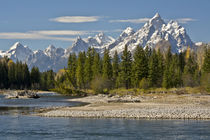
x,y
155,33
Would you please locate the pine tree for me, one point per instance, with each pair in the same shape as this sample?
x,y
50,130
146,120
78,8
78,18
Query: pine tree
x,y
96,65
153,70
3,74
140,66
35,77
26,76
107,67
50,79
166,74
206,63
71,71
126,68
11,74
80,70
88,67
190,71
116,67
181,61
160,68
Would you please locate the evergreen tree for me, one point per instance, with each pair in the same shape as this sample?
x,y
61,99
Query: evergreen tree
x,y
190,71
35,77
88,67
160,68
71,71
116,67
166,73
96,65
11,74
148,52
126,68
153,70
3,74
107,67
140,66
206,63
80,70
181,61
26,76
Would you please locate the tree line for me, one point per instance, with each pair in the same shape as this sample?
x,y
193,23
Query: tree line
x,y
144,69
17,76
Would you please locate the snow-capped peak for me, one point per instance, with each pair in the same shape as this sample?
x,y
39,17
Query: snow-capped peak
x,y
157,15
16,45
49,50
154,31
127,32
18,52
156,21
102,39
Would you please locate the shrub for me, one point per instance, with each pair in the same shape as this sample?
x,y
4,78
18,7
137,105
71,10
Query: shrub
x,y
144,84
101,85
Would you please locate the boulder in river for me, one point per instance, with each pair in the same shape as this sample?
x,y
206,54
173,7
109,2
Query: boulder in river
x,y
22,94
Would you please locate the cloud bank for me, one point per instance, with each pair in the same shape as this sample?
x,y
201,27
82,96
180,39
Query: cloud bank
x,y
143,20
50,34
139,20
75,19
185,20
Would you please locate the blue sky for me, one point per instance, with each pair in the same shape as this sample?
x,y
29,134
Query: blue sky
x,y
38,23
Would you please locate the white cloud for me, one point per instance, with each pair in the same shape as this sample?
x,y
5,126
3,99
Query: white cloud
x,y
185,20
75,19
140,20
50,34
143,20
31,35
61,32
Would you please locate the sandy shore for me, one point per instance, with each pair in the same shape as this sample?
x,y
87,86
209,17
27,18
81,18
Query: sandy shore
x,y
157,106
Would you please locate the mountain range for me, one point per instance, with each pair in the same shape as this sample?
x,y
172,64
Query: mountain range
x,y
152,33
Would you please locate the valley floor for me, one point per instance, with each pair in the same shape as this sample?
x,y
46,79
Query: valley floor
x,y
147,106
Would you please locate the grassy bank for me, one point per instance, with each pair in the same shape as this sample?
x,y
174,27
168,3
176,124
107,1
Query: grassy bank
x,y
178,91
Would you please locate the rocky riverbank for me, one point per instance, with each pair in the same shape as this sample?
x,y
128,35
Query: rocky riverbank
x,y
157,106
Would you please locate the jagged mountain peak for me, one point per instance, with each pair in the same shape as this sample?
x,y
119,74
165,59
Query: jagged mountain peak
x,y
156,21
50,47
100,34
16,45
157,15
128,31
49,50
154,31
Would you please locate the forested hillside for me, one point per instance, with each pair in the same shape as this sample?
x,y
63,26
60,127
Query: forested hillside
x,y
145,69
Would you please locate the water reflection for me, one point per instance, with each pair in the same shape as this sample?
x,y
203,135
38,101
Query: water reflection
x,y
25,106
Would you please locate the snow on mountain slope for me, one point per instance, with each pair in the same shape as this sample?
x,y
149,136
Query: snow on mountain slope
x,y
17,52
52,51
154,31
98,42
51,58
78,45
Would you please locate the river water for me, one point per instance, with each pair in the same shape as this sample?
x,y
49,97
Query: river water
x,y
15,125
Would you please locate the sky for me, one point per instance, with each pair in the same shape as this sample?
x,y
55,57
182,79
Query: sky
x,y
39,23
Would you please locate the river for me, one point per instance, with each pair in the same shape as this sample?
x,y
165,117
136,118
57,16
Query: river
x,y
14,124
